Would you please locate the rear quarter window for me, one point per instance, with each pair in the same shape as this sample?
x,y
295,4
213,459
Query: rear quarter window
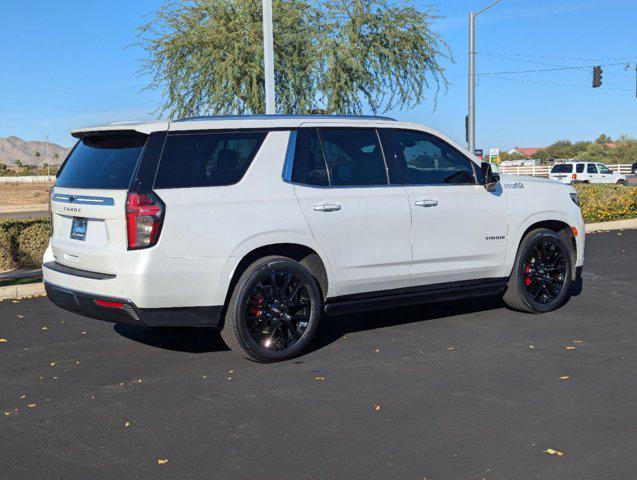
x,y
102,162
207,159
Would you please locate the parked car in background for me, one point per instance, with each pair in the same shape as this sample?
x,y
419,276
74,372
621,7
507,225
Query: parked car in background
x,y
260,225
585,172
633,169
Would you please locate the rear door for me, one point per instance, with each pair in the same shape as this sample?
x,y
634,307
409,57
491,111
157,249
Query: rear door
x,y
88,201
360,222
459,228
591,173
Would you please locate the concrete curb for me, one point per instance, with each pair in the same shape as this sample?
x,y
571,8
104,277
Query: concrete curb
x,y
628,224
35,207
15,292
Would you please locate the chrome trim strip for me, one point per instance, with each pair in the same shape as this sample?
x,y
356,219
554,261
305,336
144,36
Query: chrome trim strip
x,y
83,199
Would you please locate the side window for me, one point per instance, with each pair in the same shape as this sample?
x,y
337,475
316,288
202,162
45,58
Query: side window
x,y
206,159
309,165
353,157
580,168
417,158
604,169
591,168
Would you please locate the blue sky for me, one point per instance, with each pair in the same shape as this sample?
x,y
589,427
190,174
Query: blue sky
x,y
69,63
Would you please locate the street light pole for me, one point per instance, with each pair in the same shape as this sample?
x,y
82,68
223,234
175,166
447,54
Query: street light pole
x,y
48,169
471,118
268,57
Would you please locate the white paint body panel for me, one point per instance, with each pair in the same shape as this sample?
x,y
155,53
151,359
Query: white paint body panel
x,y
378,240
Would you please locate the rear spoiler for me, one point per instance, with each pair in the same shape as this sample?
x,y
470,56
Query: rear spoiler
x,y
125,128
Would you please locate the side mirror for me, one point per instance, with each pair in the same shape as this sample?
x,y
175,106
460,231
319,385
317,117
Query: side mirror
x,y
487,177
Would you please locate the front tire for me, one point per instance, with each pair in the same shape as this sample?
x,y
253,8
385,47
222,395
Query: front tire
x,y
621,182
541,279
274,310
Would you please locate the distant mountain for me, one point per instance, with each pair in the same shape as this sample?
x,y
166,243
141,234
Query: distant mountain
x,y
14,148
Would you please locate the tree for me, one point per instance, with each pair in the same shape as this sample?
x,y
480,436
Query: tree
x,y
206,56
603,139
18,163
37,156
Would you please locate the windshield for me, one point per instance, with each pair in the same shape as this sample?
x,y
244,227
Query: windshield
x,y
562,168
104,162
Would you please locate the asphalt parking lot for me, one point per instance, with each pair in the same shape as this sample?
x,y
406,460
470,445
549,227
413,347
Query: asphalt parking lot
x,y
464,390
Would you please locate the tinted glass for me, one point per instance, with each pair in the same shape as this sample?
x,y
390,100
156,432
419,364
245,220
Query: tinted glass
x,y
590,168
562,168
309,164
604,169
102,162
353,157
579,168
417,158
206,159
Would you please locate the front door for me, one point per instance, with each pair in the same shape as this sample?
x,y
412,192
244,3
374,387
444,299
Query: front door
x,y
362,224
459,229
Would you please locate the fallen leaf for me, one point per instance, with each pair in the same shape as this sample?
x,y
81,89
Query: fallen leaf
x,y
32,405
229,378
204,377
531,347
230,371
577,341
53,364
376,350
450,348
20,316
320,379
7,414
77,362
377,408
127,424
83,333
3,340
564,377
550,451
570,347
45,328
22,397
162,461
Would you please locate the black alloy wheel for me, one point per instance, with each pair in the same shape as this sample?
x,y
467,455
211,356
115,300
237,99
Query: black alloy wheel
x,y
545,271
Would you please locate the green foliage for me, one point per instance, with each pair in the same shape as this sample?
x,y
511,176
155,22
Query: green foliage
x,y
22,242
623,150
600,203
206,56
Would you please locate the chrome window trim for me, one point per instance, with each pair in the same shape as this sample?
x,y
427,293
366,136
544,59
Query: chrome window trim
x,y
82,199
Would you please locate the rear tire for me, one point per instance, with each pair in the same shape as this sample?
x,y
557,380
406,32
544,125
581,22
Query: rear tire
x,y
541,279
621,182
274,310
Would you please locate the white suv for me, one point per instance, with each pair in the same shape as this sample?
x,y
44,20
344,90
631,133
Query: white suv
x,y
260,225
585,172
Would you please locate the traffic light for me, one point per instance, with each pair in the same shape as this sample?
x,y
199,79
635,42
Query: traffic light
x,y
597,76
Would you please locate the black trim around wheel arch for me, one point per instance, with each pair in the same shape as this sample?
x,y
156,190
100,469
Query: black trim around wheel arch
x,y
84,304
414,295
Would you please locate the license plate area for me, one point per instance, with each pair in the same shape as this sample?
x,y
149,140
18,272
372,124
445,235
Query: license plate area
x,y
78,229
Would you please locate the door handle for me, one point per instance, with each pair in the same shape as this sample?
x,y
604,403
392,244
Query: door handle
x,y
426,203
327,207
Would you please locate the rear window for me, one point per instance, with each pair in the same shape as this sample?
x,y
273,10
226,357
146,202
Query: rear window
x,y
206,159
104,161
562,168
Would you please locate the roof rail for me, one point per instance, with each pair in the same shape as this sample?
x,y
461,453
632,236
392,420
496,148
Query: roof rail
x,y
282,117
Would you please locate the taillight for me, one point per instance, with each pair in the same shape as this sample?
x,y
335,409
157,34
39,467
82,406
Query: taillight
x,y
574,176
144,217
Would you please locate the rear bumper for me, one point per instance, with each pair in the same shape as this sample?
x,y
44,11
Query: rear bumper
x,y
85,304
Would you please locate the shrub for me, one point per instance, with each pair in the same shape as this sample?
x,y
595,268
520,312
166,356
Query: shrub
x,y
22,242
32,243
601,203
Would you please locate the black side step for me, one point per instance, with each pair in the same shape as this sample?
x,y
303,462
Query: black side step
x,y
401,298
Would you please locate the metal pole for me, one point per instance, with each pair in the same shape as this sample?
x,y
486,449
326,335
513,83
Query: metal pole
x,y
268,58
471,124
48,169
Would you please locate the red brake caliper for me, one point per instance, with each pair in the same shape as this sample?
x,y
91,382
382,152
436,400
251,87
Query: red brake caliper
x,y
255,308
527,270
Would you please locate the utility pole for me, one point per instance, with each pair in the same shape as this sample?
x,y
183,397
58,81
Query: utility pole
x,y
268,58
471,117
48,169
